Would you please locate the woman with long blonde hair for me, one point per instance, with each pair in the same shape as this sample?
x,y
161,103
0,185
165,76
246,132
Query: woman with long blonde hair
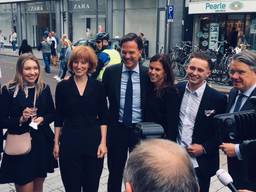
x,y
28,99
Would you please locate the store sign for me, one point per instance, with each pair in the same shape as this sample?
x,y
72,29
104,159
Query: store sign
x,y
222,7
35,8
82,5
214,36
170,10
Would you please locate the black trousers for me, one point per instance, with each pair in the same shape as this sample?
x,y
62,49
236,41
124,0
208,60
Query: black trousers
x,y
203,180
121,140
239,173
80,172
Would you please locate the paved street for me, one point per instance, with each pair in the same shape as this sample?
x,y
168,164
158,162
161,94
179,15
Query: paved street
x,y
53,182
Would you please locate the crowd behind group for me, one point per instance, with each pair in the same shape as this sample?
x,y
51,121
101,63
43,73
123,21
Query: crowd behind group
x,y
96,111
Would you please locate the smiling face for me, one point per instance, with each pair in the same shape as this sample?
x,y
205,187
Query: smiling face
x,y
156,73
130,54
242,76
30,72
197,72
80,67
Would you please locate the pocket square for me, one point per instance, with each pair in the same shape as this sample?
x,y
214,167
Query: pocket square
x,y
208,113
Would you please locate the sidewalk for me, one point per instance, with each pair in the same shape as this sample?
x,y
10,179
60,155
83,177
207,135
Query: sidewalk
x,y
10,52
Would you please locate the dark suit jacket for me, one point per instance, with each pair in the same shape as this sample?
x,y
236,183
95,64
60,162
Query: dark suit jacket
x,y
240,169
248,152
205,133
112,84
1,126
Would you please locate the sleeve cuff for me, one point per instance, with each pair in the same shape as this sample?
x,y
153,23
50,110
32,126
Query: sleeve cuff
x,y
238,154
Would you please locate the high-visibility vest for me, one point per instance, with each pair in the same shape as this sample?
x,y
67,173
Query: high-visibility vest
x,y
114,58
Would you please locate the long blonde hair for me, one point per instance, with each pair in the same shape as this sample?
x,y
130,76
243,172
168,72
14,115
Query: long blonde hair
x,y
18,82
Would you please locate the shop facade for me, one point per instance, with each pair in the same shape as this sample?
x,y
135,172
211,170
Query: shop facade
x,y
84,18
233,21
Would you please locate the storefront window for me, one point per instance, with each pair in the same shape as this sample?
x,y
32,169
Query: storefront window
x,y
37,17
83,18
236,29
8,19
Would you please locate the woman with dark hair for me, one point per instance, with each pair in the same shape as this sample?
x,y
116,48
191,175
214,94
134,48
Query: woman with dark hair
x,y
81,117
162,101
25,47
28,99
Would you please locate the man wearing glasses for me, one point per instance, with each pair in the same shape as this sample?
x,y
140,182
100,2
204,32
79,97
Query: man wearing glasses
x,y
106,56
242,72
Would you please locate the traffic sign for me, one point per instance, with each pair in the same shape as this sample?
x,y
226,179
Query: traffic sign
x,y
170,9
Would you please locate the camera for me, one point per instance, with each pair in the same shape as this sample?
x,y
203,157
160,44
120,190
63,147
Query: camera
x,y
232,125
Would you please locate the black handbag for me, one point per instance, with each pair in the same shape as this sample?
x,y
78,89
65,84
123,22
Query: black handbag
x,y
147,130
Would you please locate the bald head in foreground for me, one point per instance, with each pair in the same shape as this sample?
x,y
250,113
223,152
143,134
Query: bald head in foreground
x,y
159,165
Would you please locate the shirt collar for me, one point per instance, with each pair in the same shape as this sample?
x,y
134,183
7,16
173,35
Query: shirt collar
x,y
136,69
199,91
249,91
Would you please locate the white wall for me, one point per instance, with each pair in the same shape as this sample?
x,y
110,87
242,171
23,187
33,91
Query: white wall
x,y
140,16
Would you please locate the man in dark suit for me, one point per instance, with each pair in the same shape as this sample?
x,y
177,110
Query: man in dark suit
x,y
125,86
243,75
196,129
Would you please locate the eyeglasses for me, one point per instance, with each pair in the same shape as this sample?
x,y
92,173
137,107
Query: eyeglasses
x,y
98,41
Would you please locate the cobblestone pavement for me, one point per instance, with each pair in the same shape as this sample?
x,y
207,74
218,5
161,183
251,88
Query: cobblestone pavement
x,y
53,182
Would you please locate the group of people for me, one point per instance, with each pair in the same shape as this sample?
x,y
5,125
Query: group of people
x,y
92,118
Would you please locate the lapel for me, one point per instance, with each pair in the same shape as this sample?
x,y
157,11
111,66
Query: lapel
x,y
202,106
143,84
231,99
117,83
248,104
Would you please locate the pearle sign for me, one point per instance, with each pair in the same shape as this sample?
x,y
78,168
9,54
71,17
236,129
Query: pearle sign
x,y
222,7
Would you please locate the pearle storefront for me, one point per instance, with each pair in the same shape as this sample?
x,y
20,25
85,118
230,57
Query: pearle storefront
x,y
216,21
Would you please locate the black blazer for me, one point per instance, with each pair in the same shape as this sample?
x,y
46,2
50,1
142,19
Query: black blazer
x,y
112,84
205,133
243,170
164,109
1,126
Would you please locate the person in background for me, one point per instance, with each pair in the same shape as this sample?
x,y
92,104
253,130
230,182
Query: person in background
x,y
158,165
25,48
162,97
199,103
25,99
53,42
81,117
13,39
65,43
46,51
233,37
67,56
106,56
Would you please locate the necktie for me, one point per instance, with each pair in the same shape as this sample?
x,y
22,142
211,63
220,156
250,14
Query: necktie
x,y
239,102
127,116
